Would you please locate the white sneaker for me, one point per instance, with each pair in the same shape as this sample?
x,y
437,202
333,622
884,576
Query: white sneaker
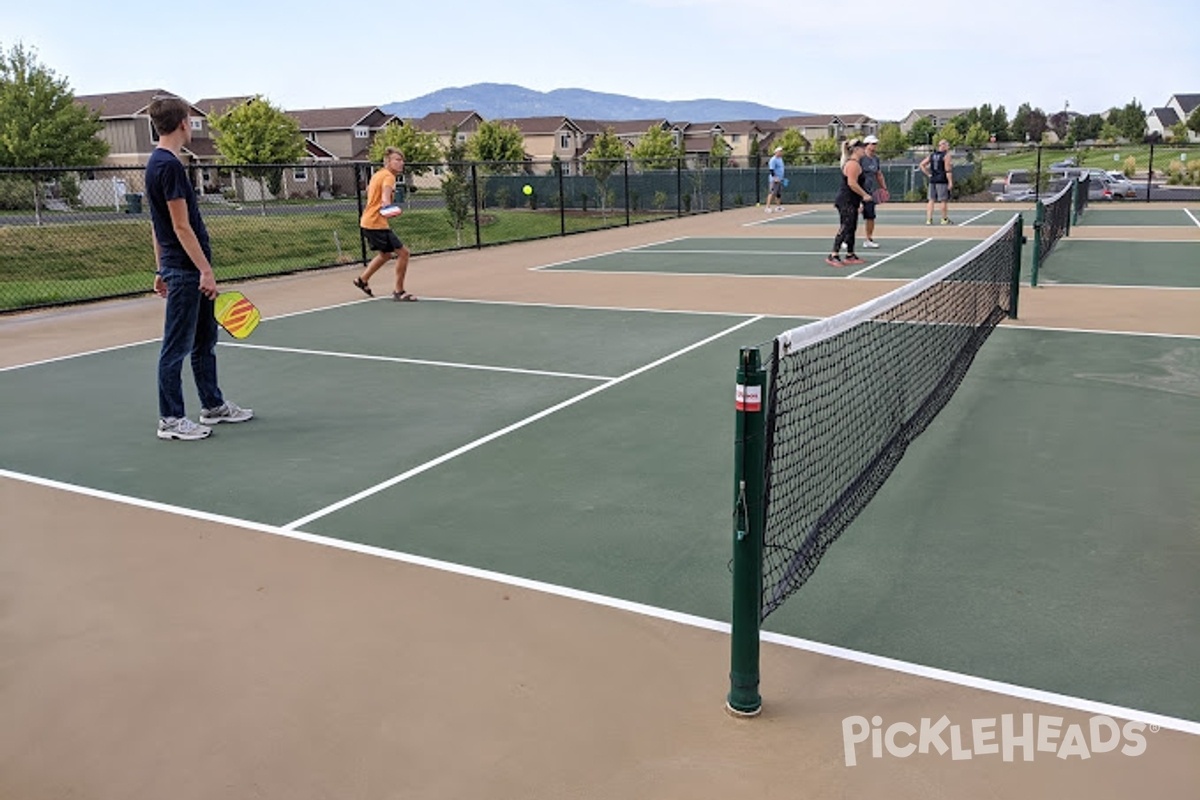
x,y
870,243
182,428
769,209
226,412
780,208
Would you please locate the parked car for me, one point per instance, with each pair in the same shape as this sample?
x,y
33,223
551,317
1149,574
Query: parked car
x,y
1099,188
1018,180
1120,185
1066,163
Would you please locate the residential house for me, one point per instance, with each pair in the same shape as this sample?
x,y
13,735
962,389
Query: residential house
x,y
337,134
814,126
346,133
127,129
938,116
1178,108
547,138
443,123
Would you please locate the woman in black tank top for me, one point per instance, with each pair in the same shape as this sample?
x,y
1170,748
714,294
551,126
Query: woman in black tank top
x,y
850,194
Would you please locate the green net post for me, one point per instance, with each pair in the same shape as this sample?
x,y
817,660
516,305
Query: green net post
x,y
748,522
1038,217
1072,217
1014,288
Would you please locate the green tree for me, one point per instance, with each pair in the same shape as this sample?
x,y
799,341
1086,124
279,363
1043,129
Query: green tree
x,y
1086,127
951,133
892,141
456,189
922,132
602,160
977,135
656,149
1028,124
1179,131
999,126
794,145
499,145
1130,120
41,125
260,136
826,150
422,150
1193,120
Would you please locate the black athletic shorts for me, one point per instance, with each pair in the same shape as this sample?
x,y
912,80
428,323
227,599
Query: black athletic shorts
x,y
384,240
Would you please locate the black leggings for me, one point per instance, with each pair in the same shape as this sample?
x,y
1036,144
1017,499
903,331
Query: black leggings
x,y
849,226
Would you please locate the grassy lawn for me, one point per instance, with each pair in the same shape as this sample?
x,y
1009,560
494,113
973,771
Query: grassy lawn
x,y
997,164
66,262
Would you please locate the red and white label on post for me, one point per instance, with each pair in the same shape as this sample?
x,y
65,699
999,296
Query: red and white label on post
x,y
749,398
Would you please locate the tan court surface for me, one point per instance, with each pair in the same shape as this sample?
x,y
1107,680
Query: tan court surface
x,y
148,655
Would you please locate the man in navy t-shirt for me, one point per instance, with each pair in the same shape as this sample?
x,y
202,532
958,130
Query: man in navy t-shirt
x,y
184,276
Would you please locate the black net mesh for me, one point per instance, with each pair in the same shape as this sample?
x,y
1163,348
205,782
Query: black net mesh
x,y
848,394
1081,197
1056,221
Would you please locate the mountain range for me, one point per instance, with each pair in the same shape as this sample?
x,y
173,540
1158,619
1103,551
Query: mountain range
x,y
507,101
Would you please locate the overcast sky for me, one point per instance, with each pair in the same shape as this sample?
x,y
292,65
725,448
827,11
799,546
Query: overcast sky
x,y
884,60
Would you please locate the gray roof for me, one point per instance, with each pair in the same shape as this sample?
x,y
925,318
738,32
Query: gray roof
x,y
121,105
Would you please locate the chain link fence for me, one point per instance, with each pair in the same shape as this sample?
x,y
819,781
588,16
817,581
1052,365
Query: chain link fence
x,y
72,234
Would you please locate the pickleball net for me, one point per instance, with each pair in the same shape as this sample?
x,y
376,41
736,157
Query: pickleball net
x,y
828,415
1052,222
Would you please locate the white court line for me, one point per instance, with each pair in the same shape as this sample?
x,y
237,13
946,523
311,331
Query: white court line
x,y
779,215
677,617
379,487
112,349
1188,211
732,253
889,258
972,219
780,276
606,253
419,361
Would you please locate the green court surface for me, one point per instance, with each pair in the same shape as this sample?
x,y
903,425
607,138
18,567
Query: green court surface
x,y
902,214
1121,263
1042,532
795,256
1127,212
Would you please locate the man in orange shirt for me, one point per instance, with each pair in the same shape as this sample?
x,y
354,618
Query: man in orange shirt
x,y
375,230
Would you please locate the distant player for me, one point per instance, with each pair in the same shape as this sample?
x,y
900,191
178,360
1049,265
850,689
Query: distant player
x,y
940,171
775,181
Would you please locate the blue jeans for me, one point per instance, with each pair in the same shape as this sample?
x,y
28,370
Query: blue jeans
x,y
190,327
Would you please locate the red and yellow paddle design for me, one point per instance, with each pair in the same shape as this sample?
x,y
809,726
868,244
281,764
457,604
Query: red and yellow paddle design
x,y
237,315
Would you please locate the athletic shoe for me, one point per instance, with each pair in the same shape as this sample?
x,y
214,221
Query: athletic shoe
x,y
769,209
780,208
182,428
834,261
928,222
852,259
870,244
945,220
226,412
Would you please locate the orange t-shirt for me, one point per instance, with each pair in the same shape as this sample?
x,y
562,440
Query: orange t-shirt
x,y
371,218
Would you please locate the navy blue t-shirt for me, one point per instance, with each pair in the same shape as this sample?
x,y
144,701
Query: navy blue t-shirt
x,y
166,179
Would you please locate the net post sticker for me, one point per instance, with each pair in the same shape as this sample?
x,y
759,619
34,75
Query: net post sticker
x,y
749,398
